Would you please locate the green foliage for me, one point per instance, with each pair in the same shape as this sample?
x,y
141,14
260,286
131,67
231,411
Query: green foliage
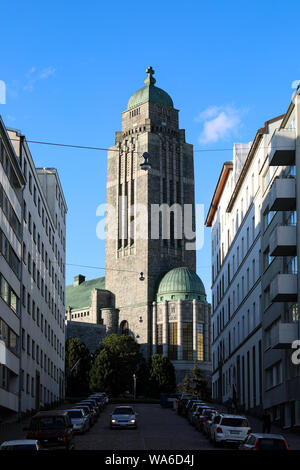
x,y
77,381
162,375
195,383
114,366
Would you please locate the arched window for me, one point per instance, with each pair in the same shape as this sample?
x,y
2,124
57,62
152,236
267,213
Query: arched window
x,y
124,327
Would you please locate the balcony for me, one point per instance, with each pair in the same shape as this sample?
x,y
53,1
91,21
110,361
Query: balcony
x,y
284,334
282,196
283,288
283,241
282,148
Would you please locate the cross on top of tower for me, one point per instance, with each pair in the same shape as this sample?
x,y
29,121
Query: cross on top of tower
x,y
150,80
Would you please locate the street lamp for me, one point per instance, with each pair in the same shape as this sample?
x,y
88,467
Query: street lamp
x,y
145,165
134,386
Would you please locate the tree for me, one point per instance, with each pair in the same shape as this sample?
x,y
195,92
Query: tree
x,y
162,375
77,380
200,383
117,361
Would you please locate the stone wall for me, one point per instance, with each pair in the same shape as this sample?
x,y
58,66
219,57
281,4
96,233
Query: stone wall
x,y
88,333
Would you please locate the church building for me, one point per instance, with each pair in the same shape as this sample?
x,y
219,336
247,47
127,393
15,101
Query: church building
x,y
150,259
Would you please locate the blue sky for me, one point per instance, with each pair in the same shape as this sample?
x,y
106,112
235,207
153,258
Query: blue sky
x,y
70,68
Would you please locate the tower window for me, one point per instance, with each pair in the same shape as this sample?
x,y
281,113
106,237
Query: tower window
x,y
172,347
124,327
187,341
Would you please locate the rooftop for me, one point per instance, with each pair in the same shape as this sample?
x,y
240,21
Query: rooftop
x,y
150,93
78,295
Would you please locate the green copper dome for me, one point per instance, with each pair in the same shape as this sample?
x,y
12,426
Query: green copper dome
x,y
150,93
181,283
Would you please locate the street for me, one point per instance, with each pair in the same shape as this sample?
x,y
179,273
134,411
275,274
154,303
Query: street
x,y
158,429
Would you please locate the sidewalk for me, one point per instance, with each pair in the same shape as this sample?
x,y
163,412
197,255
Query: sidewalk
x,y
292,438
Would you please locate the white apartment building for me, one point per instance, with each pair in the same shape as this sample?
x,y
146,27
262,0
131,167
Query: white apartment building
x,y
42,294
11,186
254,272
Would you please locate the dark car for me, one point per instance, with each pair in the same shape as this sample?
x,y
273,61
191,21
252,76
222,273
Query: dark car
x,y
94,406
53,429
199,419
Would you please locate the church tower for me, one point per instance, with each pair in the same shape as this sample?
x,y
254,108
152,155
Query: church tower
x,y
139,236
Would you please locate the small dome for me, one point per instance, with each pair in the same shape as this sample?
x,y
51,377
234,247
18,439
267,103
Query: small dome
x,y
150,93
181,283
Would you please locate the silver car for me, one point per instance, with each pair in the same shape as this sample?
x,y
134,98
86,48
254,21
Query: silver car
x,y
123,417
21,444
79,421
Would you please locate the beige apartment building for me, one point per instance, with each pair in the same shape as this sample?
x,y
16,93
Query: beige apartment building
x,y
33,231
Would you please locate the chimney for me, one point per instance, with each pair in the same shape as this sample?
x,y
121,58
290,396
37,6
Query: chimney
x,y
78,280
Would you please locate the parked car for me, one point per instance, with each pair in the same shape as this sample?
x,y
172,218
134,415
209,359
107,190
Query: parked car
x,y
207,423
79,421
195,411
183,401
91,408
88,413
103,396
189,405
53,429
230,429
264,442
99,400
201,416
21,444
95,402
123,417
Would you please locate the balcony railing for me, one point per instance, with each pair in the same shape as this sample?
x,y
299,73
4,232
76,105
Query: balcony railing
x,y
283,288
282,147
284,334
282,196
283,241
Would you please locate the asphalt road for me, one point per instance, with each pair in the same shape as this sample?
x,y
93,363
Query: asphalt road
x,y
158,429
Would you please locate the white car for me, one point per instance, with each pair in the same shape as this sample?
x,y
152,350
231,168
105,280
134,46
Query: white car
x,y
231,429
22,444
123,417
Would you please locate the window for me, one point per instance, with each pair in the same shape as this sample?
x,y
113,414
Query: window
x,y
200,342
124,327
187,341
29,222
172,346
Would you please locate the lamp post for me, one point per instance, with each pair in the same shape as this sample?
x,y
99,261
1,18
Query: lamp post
x,y
145,165
134,386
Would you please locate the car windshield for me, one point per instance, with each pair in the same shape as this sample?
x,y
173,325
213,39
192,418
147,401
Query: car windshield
x,y
123,411
20,447
49,422
271,444
235,422
75,414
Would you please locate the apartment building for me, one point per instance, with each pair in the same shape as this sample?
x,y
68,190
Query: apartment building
x,y
254,272
40,248
11,186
